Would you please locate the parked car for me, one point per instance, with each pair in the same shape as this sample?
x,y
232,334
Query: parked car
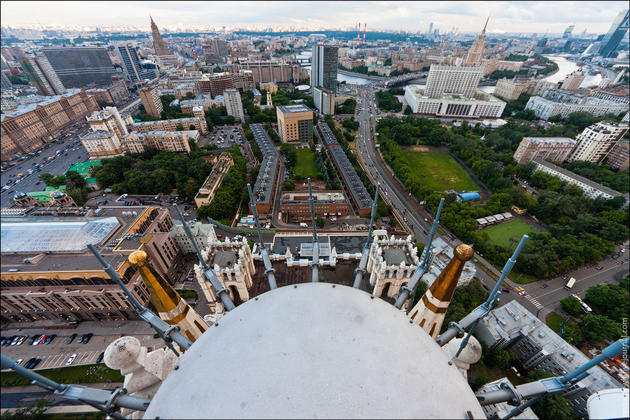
x,y
71,359
100,357
71,338
50,339
28,362
32,340
87,337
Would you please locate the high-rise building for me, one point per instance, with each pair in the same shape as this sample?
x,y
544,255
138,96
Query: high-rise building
x,y
172,141
615,34
595,141
476,52
109,119
233,104
324,67
573,80
158,42
324,101
619,156
568,31
555,149
79,67
151,100
131,63
271,71
42,75
6,83
462,80
295,123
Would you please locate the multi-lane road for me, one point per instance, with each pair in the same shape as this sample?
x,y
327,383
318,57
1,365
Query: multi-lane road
x,y
538,299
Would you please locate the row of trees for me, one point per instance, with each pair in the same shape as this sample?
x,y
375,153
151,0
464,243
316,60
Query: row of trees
x,y
387,102
618,181
231,192
347,107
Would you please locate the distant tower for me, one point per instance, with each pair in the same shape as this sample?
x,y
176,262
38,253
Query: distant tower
x,y
158,42
429,312
615,34
475,54
170,306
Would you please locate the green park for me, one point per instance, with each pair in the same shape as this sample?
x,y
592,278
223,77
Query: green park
x,y
438,171
509,233
305,166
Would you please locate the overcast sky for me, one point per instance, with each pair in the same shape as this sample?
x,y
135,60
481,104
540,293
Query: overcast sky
x,y
469,16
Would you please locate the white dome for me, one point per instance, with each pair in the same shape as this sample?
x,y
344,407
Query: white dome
x,y
470,354
121,352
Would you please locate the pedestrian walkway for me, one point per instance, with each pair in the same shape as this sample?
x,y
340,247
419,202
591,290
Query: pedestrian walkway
x,y
534,302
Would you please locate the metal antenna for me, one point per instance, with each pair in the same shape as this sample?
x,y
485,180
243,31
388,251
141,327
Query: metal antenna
x,y
271,278
515,395
315,263
412,284
360,270
470,320
99,398
221,291
169,333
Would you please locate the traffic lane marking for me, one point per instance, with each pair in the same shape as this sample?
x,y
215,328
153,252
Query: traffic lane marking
x,y
576,281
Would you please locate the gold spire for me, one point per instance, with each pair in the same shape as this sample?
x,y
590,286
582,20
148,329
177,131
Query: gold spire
x,y
170,305
430,311
444,286
485,26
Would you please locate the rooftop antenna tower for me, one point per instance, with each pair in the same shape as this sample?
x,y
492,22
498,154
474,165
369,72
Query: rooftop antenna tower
x,y
271,278
472,319
412,285
221,291
358,32
364,31
169,333
360,270
315,263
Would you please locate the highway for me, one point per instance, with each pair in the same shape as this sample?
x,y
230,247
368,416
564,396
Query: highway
x,y
538,300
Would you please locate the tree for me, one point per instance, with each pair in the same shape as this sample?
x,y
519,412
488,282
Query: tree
x,y
600,328
34,410
572,306
610,300
497,358
320,222
179,127
408,110
553,406
190,95
192,127
230,119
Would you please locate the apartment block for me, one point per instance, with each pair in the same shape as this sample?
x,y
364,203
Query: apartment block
x,y
31,126
595,141
100,144
510,90
295,123
113,94
295,205
482,105
205,195
546,108
42,75
555,149
273,71
172,141
591,189
573,80
109,119
151,100
169,125
619,156
187,105
46,276
233,104
324,101
79,67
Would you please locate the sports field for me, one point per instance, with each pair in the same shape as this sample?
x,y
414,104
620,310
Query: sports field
x,y
439,171
305,166
509,233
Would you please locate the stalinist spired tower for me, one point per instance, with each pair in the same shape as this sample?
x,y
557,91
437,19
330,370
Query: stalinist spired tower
x,y
429,312
158,42
475,54
170,306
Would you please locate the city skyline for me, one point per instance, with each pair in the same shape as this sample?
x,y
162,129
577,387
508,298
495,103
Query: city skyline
x,y
518,16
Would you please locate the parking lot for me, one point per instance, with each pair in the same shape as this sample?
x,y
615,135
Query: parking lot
x,y
57,353
224,136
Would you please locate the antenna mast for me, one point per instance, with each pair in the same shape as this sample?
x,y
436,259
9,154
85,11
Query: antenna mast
x,y
315,262
360,270
412,285
221,291
271,278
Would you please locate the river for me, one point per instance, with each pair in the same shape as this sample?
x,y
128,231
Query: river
x,y
566,67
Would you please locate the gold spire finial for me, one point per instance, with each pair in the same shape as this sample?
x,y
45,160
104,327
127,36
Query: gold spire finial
x,y
486,25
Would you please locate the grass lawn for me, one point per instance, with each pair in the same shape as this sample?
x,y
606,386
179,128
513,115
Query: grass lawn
x,y
508,234
554,321
87,374
305,166
439,171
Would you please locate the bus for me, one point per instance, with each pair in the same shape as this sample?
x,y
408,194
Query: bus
x,y
570,283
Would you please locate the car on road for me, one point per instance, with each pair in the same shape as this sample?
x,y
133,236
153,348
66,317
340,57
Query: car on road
x,y
545,285
504,290
71,359
71,338
599,267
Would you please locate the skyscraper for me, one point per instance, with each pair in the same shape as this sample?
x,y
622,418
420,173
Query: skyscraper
x,y
41,73
233,104
616,32
324,67
475,54
6,83
568,31
158,42
595,141
79,67
452,79
131,63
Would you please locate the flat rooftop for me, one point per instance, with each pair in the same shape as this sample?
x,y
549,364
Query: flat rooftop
x,y
267,172
326,134
418,92
550,140
351,244
350,177
292,109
